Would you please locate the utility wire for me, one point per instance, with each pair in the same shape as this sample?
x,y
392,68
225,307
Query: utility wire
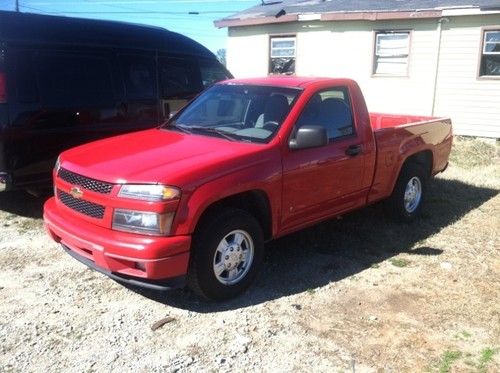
x,y
136,12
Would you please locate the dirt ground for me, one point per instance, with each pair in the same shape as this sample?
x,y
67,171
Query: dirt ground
x,y
360,293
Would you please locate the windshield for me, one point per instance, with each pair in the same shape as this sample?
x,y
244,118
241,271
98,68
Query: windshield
x,y
237,112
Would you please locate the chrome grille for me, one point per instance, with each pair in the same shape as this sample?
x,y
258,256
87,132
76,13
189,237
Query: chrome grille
x,y
91,209
85,182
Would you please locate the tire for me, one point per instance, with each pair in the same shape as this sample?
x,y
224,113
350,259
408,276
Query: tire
x,y
228,249
407,198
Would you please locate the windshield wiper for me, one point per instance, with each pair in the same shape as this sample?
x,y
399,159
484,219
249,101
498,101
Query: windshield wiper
x,y
224,134
177,127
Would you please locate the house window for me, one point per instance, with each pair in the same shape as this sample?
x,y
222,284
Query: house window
x,y
490,56
283,52
391,53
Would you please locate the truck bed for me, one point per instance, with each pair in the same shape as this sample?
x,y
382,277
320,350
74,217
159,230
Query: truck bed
x,y
397,137
380,120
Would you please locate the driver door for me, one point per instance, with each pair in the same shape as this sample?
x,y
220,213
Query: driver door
x,y
324,181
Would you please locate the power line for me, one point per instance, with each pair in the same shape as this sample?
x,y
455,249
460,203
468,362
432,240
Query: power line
x,y
141,12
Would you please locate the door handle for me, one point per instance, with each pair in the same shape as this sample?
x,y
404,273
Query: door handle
x,y
353,150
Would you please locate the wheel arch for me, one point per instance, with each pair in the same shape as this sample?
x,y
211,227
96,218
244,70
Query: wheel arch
x,y
255,202
424,158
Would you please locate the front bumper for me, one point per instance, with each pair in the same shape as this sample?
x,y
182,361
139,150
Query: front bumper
x,y
154,262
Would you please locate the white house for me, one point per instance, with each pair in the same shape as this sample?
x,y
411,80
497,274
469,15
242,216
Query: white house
x,y
439,58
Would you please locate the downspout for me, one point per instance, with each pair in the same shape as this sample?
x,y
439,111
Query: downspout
x,y
438,55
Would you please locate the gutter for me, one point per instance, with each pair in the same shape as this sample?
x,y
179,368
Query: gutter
x,y
356,16
336,16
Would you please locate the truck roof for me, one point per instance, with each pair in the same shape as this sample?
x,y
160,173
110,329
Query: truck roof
x,y
29,28
286,81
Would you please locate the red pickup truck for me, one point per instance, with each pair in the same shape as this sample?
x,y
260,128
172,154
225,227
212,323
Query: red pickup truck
x,y
247,161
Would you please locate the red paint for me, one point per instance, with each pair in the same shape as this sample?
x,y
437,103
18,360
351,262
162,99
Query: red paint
x,y
303,187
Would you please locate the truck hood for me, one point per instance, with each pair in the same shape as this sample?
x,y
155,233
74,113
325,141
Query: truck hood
x,y
158,156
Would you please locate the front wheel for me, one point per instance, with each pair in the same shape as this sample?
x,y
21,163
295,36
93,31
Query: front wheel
x,y
227,252
406,200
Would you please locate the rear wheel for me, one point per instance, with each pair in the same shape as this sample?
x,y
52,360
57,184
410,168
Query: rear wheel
x,y
409,193
227,252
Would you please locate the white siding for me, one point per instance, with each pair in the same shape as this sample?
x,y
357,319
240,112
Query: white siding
x,y
472,103
345,49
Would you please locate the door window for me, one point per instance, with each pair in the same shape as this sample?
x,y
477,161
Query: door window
x,y
330,109
139,76
212,72
179,78
74,80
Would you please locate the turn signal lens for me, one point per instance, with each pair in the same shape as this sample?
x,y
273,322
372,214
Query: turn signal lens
x,y
149,192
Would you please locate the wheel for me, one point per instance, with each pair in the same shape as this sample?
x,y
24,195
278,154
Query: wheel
x,y
406,200
227,253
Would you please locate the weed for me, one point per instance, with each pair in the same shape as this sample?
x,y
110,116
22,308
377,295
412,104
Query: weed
x,y
466,334
311,291
469,363
447,360
485,358
375,265
400,262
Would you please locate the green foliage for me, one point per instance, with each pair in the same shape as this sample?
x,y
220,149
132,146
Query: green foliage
x,y
399,262
447,360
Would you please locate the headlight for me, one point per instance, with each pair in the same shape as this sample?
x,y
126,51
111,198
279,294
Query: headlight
x,y
142,222
149,192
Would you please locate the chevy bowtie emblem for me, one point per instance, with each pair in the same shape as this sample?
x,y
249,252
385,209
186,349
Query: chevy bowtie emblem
x,y
76,192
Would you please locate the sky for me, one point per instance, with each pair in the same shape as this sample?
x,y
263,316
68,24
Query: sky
x,y
170,14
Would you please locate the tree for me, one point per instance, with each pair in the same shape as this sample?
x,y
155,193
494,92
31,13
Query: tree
x,y
221,56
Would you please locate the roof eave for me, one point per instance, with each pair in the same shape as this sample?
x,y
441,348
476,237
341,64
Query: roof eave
x,y
331,16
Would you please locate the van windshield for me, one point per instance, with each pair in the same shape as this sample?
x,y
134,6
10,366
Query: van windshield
x,y
237,112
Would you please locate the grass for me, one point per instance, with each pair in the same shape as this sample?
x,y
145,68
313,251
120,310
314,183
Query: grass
x,y
400,262
463,335
469,153
447,360
485,358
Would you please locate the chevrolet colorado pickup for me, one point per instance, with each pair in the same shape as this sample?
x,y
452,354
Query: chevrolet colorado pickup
x,y
193,201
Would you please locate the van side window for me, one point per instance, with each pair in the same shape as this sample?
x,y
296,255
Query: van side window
x,y
25,78
212,72
331,109
178,78
68,80
139,76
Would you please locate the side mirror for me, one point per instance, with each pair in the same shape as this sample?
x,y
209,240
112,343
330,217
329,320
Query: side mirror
x,y
309,137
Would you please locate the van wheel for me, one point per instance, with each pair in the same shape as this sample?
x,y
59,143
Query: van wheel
x,y
227,253
406,200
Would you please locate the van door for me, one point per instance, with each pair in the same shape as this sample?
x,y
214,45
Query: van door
x,y
4,117
139,102
180,81
63,98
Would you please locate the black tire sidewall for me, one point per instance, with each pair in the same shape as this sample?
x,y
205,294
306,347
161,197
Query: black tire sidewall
x,y
397,203
205,242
